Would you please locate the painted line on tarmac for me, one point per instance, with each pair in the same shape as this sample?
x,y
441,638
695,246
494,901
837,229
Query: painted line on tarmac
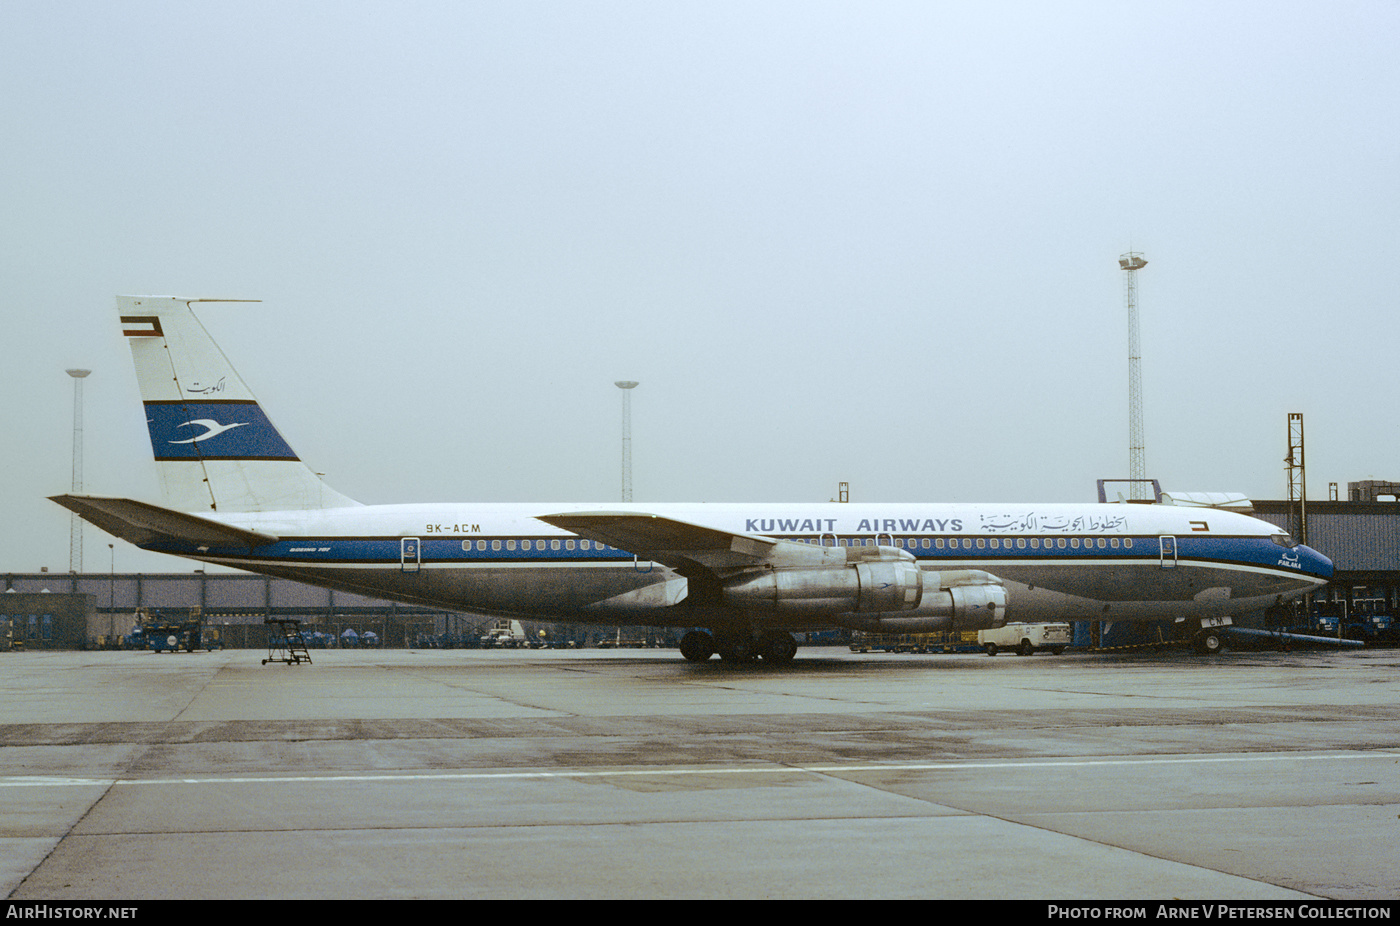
x,y
32,781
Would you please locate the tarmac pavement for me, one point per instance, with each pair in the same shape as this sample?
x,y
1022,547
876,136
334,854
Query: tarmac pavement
x,y
633,774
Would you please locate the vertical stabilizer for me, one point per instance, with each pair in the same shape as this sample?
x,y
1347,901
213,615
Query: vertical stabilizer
x,y
215,448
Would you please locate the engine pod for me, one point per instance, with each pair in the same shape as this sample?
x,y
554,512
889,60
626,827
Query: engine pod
x,y
866,587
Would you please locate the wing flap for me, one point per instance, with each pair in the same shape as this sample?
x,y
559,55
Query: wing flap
x,y
141,522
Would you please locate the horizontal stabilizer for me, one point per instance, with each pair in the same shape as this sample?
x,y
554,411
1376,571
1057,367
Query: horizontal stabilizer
x,y
142,523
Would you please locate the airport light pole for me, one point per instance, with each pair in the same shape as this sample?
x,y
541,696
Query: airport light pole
x,y
1131,263
112,594
626,386
75,531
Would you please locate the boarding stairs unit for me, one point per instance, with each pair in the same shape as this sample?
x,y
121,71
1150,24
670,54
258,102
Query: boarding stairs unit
x,y
285,642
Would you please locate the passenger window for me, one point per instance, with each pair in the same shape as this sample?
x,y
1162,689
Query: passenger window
x,y
568,544
495,544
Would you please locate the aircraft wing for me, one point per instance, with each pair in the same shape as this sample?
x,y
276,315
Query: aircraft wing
x,y
691,549
141,522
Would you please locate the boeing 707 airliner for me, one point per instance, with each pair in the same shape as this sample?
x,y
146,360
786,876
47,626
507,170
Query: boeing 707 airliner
x,y
740,578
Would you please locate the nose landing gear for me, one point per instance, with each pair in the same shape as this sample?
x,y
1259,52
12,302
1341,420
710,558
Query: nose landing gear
x,y
1208,641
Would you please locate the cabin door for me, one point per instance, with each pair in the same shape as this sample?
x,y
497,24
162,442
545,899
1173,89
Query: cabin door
x,y
409,556
1168,552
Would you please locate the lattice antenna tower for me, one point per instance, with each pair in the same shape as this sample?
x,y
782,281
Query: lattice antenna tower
x,y
1297,479
626,386
1131,263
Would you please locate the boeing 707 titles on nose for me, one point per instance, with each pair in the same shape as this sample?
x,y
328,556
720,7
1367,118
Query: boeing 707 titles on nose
x,y
741,579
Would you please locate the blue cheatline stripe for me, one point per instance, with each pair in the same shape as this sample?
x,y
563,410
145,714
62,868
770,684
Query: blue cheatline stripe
x,y
219,430
1250,551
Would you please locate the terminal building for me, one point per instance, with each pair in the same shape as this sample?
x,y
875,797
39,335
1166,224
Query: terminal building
x,y
54,610
46,610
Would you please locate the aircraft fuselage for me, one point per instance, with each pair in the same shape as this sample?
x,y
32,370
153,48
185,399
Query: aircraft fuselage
x,y
1057,562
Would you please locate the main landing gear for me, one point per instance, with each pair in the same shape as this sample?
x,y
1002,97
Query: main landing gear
x,y
771,646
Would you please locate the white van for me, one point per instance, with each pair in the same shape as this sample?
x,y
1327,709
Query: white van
x,y
1025,638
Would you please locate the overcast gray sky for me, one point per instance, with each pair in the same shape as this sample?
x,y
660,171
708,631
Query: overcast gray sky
x,y
873,242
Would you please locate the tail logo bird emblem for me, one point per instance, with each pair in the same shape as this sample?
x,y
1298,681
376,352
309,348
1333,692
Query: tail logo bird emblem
x,y
214,429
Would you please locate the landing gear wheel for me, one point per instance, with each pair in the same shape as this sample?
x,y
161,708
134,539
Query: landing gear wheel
x,y
697,646
1209,642
777,648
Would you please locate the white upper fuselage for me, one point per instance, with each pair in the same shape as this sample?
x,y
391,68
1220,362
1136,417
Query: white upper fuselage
x,y
843,521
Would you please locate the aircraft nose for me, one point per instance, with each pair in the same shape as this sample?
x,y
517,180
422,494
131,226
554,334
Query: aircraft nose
x,y
1316,564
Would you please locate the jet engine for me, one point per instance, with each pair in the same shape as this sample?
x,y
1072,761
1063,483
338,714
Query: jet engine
x,y
970,600
873,586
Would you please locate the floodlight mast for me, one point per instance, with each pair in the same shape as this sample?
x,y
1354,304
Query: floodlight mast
x,y
75,529
1131,263
626,386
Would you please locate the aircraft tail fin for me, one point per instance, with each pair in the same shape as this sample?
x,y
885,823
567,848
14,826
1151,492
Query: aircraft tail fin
x,y
215,448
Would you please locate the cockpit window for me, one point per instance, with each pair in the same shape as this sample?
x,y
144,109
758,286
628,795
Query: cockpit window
x,y
1284,540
